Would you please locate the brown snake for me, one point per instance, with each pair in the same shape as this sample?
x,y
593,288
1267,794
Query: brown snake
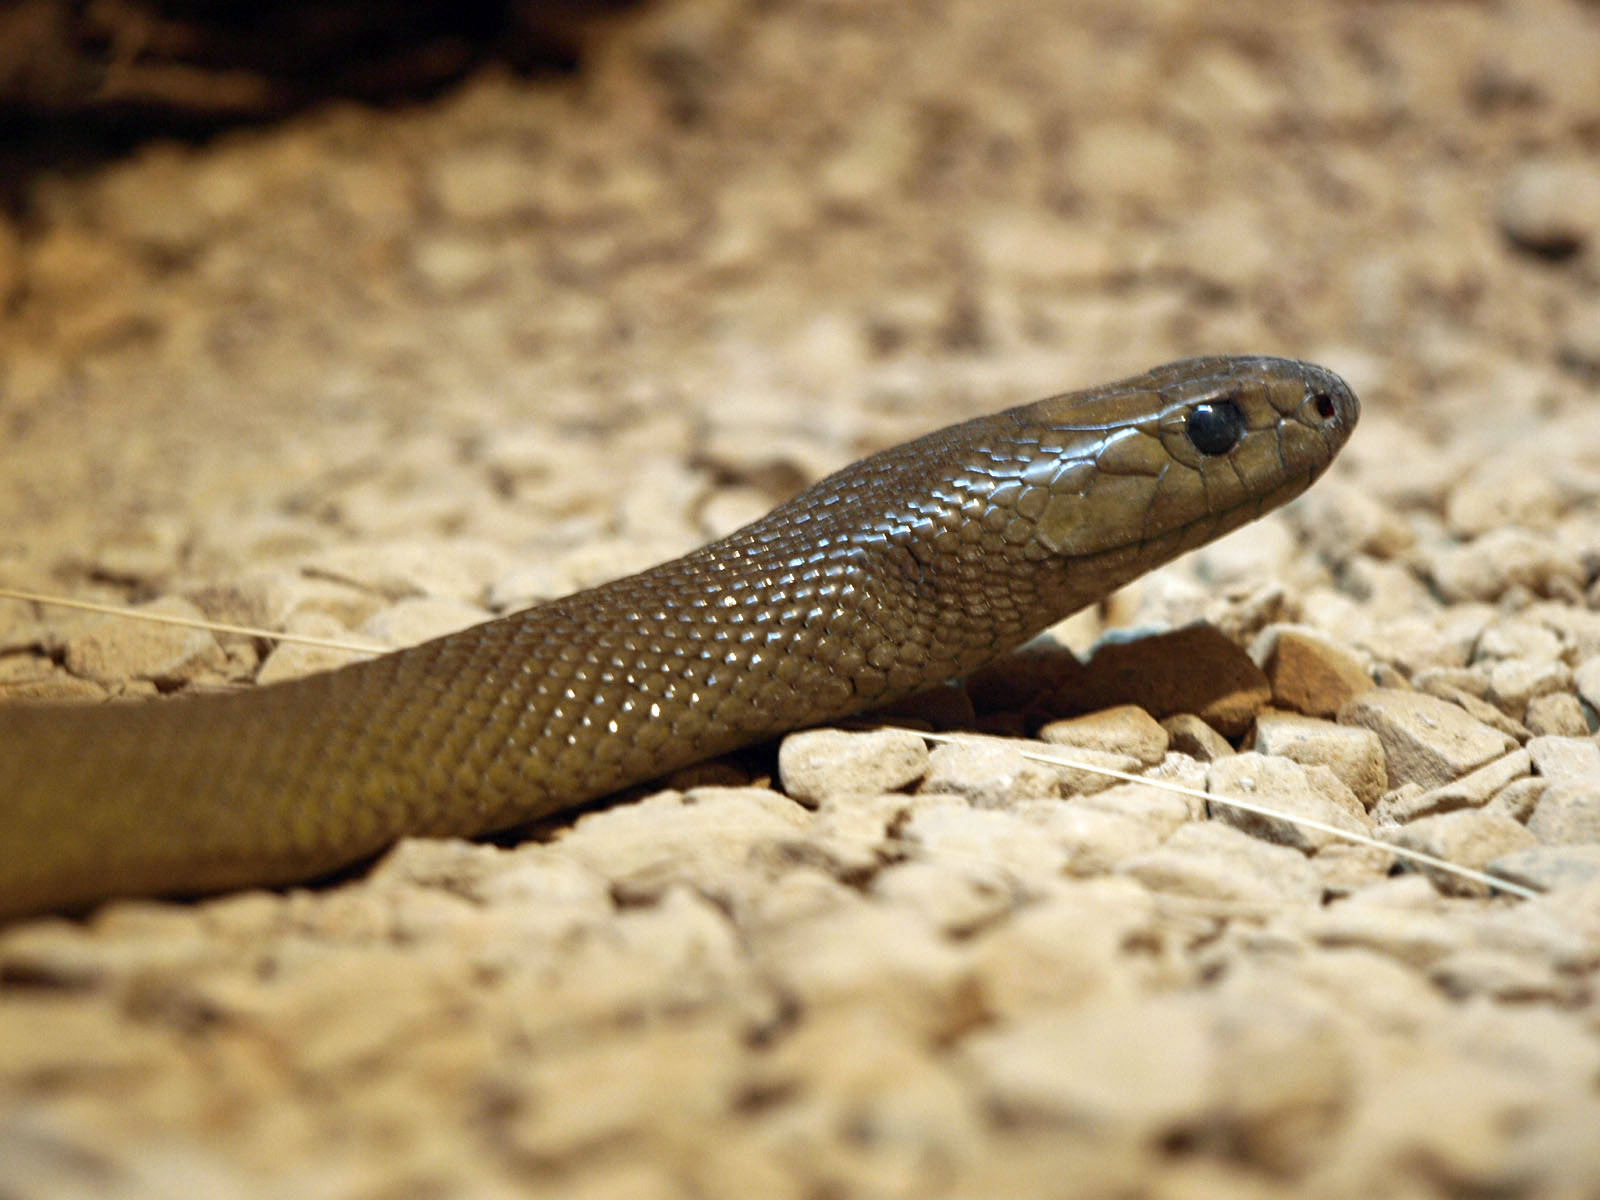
x,y
908,568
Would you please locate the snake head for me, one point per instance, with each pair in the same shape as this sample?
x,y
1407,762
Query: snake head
x,y
1156,464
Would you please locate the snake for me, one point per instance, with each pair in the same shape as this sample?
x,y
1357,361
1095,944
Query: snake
x,y
907,569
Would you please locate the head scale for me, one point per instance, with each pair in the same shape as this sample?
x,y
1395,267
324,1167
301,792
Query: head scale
x,y
1150,466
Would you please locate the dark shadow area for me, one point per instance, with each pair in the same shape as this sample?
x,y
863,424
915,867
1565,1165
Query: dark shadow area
x,y
84,80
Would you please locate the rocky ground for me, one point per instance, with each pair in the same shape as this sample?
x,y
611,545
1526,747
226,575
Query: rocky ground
x,y
387,373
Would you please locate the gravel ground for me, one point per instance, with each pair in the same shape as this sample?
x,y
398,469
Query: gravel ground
x,y
387,373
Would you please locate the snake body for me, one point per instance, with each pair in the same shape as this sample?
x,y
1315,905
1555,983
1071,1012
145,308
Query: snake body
x,y
910,567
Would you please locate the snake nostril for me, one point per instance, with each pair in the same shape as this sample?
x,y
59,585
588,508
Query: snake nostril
x,y
1324,405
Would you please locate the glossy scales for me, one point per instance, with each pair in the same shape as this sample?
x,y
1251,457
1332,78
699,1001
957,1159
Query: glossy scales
x,y
905,569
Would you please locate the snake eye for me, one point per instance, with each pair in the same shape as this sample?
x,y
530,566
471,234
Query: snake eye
x,y
1215,428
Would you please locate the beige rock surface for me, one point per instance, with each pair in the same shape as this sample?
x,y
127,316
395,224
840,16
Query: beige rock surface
x,y
381,371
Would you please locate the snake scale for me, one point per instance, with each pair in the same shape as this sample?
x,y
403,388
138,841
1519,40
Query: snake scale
x,y
908,568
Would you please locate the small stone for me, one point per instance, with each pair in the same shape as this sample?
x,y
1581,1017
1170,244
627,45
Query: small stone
x,y
1065,949
1566,759
1425,740
1516,682
293,660
1190,735
990,773
1196,669
108,650
985,840
1352,753
1310,676
1468,838
1141,1067
820,763
1416,644
1486,568
1126,730
1388,921
419,619
1473,790
455,266
1568,813
487,183
706,839
955,897
1211,860
1517,638
1587,679
1547,206
1287,787
456,568
1549,867
1559,714
1579,337
1160,810
1502,491
1500,976
874,956
1479,709
1346,867
1095,840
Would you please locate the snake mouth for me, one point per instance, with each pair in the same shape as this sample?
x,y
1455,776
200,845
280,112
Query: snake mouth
x,y
1154,548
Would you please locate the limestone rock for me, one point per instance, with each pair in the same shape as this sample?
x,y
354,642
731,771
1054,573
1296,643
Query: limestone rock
x,y
1425,740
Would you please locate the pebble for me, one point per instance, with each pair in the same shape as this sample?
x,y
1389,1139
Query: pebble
x,y
109,650
1286,787
1352,753
1190,735
985,840
1516,683
455,568
1586,677
1478,708
1559,714
1066,948
1125,730
955,897
1211,860
486,183
418,619
1547,205
292,660
1517,799
1417,939
1488,567
1580,334
709,839
989,773
874,957
1566,759
1473,790
1144,1067
1308,675
1157,809
1094,839
1468,838
820,764
1549,867
1568,813
1426,740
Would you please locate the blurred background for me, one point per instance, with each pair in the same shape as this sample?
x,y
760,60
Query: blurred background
x,y
313,313
264,268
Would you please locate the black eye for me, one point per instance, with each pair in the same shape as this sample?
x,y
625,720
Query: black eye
x,y
1215,428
